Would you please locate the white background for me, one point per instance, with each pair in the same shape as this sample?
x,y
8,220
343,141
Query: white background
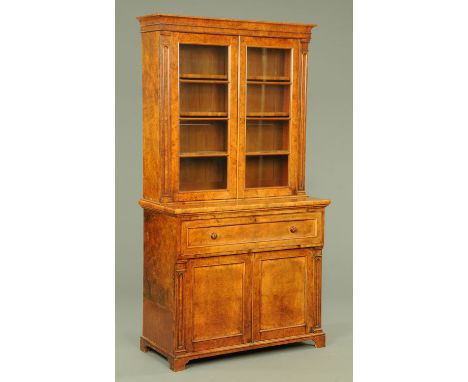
x,y
57,190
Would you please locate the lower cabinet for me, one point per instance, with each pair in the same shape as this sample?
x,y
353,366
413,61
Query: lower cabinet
x,y
233,300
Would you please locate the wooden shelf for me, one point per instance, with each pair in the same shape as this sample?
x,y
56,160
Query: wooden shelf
x,y
203,81
268,114
203,118
204,76
267,153
268,78
203,114
267,83
268,118
204,154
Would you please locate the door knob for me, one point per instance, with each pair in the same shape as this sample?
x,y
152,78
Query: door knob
x,y
214,235
293,229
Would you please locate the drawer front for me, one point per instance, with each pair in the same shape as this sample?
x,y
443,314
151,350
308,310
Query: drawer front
x,y
259,232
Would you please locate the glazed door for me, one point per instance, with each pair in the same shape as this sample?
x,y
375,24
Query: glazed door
x,y
204,110
268,116
218,308
283,294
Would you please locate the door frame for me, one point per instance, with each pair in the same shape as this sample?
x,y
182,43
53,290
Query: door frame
x,y
205,39
279,43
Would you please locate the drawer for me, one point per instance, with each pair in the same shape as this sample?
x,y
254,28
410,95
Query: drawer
x,y
251,233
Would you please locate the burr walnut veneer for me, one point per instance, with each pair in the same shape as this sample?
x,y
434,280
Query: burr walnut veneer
x,y
232,244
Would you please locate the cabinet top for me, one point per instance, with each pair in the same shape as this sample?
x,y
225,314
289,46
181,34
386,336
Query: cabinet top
x,y
236,205
159,22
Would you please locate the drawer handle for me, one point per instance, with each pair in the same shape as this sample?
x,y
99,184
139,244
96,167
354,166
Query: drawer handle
x,y
293,229
214,235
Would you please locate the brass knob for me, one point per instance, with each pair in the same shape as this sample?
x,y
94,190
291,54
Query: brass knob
x,y
293,229
214,235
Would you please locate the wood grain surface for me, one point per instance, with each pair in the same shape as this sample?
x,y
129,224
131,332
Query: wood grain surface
x,y
232,244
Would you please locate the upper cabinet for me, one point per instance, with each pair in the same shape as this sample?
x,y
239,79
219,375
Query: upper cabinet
x,y
224,112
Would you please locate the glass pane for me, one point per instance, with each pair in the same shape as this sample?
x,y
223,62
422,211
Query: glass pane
x,y
203,99
266,135
266,171
203,103
268,109
203,173
268,64
267,100
203,61
203,136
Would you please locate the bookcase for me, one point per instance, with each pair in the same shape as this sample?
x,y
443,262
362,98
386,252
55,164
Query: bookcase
x,y
232,243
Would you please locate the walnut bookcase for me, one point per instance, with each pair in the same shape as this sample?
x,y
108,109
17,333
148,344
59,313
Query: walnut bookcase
x,y
232,244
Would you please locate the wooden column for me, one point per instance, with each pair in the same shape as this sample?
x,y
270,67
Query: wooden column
x,y
180,270
317,291
303,114
165,115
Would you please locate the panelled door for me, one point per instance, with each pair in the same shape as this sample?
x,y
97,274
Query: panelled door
x,y
238,299
268,116
283,294
218,302
204,116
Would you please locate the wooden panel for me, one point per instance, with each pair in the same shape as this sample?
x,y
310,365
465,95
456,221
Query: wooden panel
x,y
266,171
268,64
205,136
265,100
203,174
151,125
219,301
160,245
282,303
203,99
220,235
281,290
265,135
203,61
158,324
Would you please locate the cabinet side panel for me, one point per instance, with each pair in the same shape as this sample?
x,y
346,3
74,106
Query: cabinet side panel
x,y
158,279
151,130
